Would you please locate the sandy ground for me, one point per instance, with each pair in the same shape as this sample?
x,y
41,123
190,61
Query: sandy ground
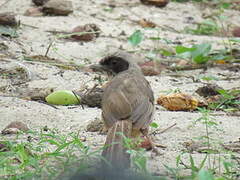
x,y
34,41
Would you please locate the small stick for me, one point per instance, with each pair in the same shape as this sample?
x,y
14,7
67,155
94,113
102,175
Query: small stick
x,y
49,46
51,105
164,130
78,99
91,90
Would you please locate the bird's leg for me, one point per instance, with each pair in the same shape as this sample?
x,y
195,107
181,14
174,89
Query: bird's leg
x,y
148,143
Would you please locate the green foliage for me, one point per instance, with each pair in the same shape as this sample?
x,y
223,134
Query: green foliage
x,y
154,125
209,78
205,175
45,158
136,38
225,4
235,40
8,31
108,9
229,101
198,53
207,27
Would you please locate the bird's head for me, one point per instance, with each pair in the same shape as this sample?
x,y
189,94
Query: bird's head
x,y
116,63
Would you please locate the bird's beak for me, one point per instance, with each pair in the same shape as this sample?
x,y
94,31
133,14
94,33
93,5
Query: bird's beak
x,y
98,68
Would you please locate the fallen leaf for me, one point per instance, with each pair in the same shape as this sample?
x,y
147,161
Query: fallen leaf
x,y
236,32
39,2
93,98
149,69
178,102
146,24
158,3
8,19
88,32
34,12
146,144
58,8
15,127
208,90
95,126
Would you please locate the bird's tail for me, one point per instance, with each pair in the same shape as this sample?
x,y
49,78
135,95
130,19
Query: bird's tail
x,y
115,149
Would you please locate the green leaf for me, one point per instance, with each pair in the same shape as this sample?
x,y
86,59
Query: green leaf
x,y
136,38
8,31
209,78
184,52
202,49
154,125
199,55
62,97
200,59
182,49
237,40
193,167
225,5
203,162
209,22
205,175
165,52
220,178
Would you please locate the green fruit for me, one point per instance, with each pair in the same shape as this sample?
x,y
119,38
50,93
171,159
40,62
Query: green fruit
x,y
62,97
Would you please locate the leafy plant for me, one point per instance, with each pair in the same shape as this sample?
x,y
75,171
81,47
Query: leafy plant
x,y
229,101
207,27
8,31
198,53
46,158
215,3
136,38
205,175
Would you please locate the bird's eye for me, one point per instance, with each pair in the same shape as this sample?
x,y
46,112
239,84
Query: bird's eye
x,y
114,62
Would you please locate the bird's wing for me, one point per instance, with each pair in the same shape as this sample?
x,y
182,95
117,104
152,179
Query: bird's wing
x,y
131,98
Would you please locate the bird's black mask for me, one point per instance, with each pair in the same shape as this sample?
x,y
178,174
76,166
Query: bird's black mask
x,y
114,64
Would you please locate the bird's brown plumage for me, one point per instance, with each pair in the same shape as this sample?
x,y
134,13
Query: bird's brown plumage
x,y
127,106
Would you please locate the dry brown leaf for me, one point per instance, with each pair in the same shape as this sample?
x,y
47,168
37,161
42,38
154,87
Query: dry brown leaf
x,y
182,62
150,68
34,12
208,90
39,2
236,32
214,99
178,102
146,144
58,8
88,32
146,24
15,127
8,19
158,3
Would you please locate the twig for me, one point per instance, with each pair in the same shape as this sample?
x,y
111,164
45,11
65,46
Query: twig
x,y
28,25
193,67
49,46
91,90
67,35
162,131
78,99
43,102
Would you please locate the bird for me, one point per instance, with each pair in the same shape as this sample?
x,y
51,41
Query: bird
x,y
127,106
